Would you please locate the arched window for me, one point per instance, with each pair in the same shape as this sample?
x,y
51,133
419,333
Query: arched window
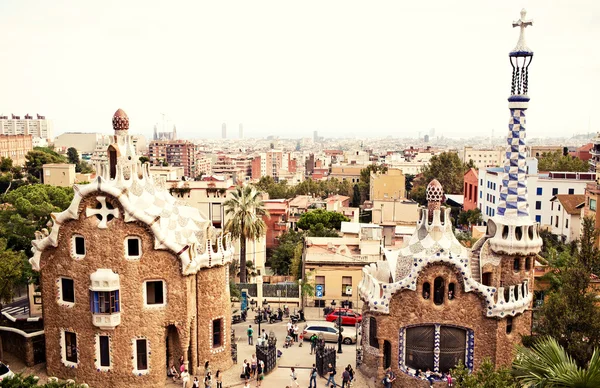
x,y
509,324
373,332
516,290
426,290
438,291
528,263
516,264
506,294
451,291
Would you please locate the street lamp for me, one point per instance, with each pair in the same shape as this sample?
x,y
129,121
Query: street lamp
x,y
339,332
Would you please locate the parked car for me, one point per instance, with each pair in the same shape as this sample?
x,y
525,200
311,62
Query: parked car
x,y
349,317
5,372
329,331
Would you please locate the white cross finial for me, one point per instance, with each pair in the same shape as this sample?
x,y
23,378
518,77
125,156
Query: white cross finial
x,y
103,212
522,23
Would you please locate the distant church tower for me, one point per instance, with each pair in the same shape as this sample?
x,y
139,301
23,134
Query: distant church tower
x,y
174,134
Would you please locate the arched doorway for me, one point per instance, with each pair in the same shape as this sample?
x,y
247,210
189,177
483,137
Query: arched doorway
x,y
172,346
387,354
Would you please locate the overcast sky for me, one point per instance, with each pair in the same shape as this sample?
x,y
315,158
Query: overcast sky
x,y
362,68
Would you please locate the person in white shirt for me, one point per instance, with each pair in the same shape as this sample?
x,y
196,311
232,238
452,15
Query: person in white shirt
x,y
185,377
294,378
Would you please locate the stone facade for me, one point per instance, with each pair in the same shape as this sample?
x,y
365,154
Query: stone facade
x,y
168,292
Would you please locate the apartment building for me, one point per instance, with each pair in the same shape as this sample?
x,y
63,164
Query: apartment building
x,y
565,217
28,125
273,163
346,172
15,147
470,180
483,157
179,153
388,185
238,167
543,186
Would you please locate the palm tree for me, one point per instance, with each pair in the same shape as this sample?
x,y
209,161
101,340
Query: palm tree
x,y
547,365
246,209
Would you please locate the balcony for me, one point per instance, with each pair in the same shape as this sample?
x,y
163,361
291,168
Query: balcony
x,y
106,321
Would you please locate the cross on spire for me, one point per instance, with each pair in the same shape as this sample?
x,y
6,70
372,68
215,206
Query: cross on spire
x,y
522,23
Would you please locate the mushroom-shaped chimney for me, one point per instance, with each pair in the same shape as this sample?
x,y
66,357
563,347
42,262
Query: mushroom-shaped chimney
x,y
435,196
120,121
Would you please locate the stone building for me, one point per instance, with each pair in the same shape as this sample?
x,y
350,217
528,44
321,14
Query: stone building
x,y
131,279
434,303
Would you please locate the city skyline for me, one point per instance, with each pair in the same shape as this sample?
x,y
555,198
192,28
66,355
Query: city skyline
x,y
339,68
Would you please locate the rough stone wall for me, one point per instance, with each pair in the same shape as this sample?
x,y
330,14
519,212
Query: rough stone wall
x,y
465,310
213,305
511,277
105,249
19,346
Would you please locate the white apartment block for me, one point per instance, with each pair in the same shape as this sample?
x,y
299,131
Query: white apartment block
x,y
28,125
565,216
483,158
541,188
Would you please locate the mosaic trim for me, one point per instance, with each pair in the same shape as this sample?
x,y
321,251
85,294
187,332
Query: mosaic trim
x,y
135,371
436,348
378,294
100,368
63,350
223,336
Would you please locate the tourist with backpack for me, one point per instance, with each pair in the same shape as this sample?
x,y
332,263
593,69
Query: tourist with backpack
x,y
331,379
313,377
313,343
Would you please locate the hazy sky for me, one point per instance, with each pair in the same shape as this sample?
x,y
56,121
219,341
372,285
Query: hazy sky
x,y
362,68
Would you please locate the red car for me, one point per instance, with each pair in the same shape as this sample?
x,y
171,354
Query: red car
x,y
349,317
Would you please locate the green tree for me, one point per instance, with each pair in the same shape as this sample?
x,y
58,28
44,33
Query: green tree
x,y
6,164
356,200
547,364
329,220
38,157
144,159
20,381
73,156
408,182
556,161
485,377
448,169
287,256
27,209
246,209
470,217
570,313
419,194
12,265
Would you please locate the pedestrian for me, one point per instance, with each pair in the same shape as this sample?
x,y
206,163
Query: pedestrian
x,y
185,377
294,378
296,329
206,367
219,378
388,380
449,380
173,372
250,332
331,372
253,364
265,335
196,383
345,378
247,371
289,328
261,373
313,377
207,380
351,372
313,343
247,384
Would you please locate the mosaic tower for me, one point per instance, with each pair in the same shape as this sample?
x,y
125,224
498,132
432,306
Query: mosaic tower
x,y
515,232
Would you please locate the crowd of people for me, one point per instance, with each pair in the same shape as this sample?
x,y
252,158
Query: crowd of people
x,y
185,377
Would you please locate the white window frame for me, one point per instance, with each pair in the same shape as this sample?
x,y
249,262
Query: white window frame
x,y
63,349
126,247
136,371
98,362
74,253
145,293
60,299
